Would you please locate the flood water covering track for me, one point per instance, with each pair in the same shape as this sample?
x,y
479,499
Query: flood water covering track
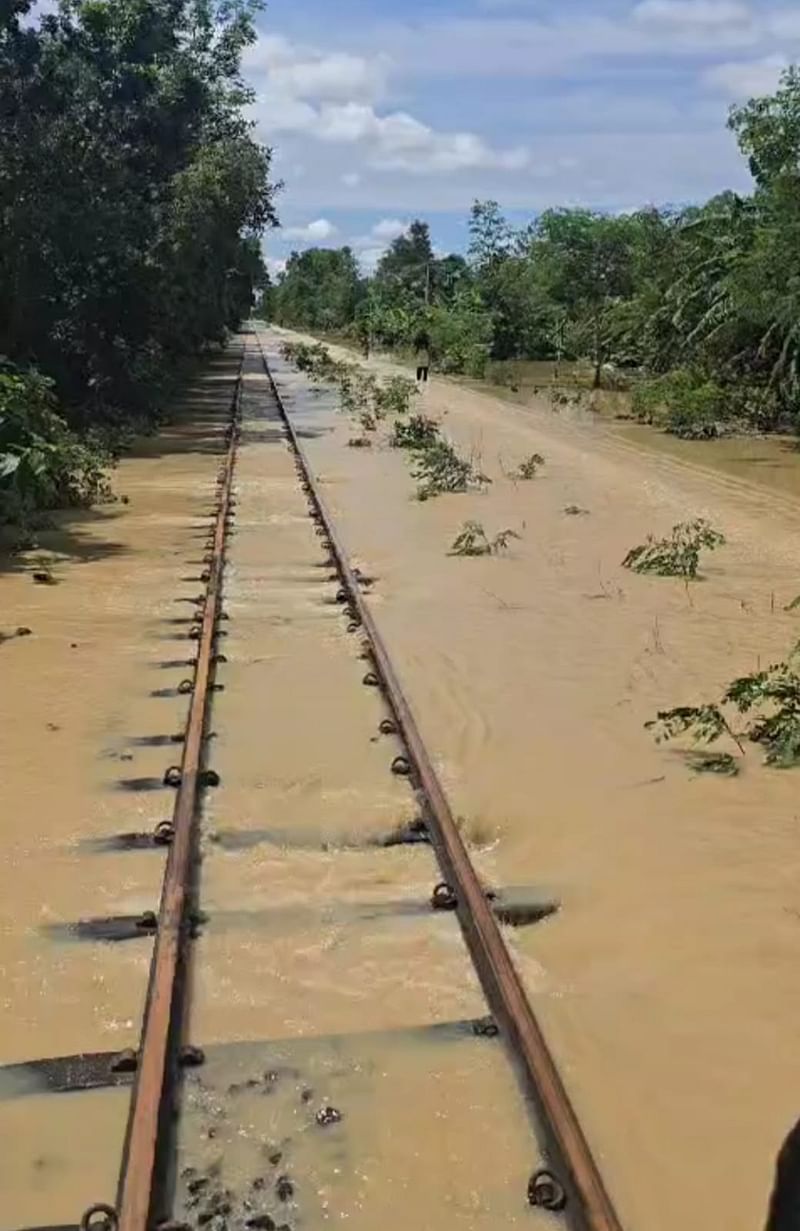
x,y
588,1202
158,1051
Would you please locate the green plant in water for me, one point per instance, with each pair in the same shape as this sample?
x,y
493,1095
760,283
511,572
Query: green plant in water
x,y
417,433
474,541
439,469
394,396
677,556
528,468
770,699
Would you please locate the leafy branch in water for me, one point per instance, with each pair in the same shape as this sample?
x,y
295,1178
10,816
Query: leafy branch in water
x,y
394,396
528,468
418,432
363,397
770,699
474,541
677,556
439,469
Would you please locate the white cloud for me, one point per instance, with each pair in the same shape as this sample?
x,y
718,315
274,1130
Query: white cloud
x,y
389,229
743,79
314,233
275,267
685,13
351,179
396,141
296,71
331,98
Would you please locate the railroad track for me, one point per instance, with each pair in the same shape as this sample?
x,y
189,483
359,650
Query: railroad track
x,y
568,1178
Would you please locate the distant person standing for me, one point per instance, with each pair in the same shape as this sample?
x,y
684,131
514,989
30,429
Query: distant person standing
x,y
422,347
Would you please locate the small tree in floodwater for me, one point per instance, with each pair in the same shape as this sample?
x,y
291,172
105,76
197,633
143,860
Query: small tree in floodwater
x,y
771,701
474,541
528,469
677,556
438,469
416,433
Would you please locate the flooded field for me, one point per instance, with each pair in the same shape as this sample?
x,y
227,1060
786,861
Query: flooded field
x,y
667,980
342,1080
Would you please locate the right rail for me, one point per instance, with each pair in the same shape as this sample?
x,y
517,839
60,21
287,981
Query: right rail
x,y
580,1176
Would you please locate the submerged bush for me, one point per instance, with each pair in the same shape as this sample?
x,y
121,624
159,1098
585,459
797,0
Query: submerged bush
x,y
439,469
474,541
683,402
677,556
771,701
418,432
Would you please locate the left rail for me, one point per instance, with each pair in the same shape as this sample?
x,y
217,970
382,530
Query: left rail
x,y
159,1054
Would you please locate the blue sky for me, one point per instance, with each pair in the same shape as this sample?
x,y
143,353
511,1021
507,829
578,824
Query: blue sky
x,y
380,113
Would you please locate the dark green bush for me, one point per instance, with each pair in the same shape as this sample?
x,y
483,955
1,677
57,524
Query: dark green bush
x,y
43,464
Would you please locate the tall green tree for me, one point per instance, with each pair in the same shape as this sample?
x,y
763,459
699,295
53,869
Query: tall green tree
x,y
130,188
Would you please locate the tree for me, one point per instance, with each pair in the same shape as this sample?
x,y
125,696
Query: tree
x,y
408,264
587,270
319,290
128,182
132,200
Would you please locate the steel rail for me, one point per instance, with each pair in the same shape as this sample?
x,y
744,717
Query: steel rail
x,y
157,1055
580,1176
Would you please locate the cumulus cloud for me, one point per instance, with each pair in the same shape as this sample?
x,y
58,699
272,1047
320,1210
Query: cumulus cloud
x,y
297,71
693,12
332,98
389,229
313,233
743,79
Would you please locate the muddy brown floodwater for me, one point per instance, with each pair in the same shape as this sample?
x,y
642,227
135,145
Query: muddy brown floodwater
x,y
84,698
668,982
342,1082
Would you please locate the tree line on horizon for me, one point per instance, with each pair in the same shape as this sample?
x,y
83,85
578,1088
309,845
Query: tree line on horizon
x,y
699,306
132,201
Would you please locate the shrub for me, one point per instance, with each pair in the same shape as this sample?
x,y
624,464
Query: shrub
x,y
684,402
474,541
677,556
418,432
43,464
528,468
770,698
439,469
394,396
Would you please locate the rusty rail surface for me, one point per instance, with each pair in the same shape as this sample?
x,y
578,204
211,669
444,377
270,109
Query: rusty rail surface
x,y
158,1052
578,1175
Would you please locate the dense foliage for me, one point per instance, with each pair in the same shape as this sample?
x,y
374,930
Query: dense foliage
x,y
698,308
132,198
